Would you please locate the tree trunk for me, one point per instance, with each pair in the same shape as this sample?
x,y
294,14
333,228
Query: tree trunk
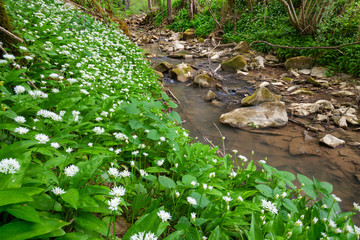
x,y
150,5
191,8
8,41
169,11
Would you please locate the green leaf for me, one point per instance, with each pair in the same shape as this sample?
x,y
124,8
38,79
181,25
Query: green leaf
x,y
89,221
74,236
215,234
24,212
327,186
153,135
71,196
135,124
10,197
187,179
20,230
167,182
132,109
304,180
175,235
156,170
288,204
265,190
255,231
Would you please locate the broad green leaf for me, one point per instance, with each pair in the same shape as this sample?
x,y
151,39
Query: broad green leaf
x,y
24,212
156,170
327,186
288,204
215,234
187,179
175,235
255,231
132,109
167,182
10,197
265,190
20,230
71,196
153,135
135,124
304,180
89,221
74,236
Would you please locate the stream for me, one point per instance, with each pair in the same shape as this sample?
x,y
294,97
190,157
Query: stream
x,y
201,118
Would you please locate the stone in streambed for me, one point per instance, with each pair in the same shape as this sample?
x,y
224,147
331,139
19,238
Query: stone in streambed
x,y
204,80
318,72
210,95
234,64
332,141
313,82
182,72
261,95
299,62
241,48
267,114
188,34
163,67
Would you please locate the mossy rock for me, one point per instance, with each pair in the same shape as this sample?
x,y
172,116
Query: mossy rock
x,y
205,81
188,34
261,95
210,95
200,40
182,72
313,82
163,67
242,47
300,62
234,64
303,91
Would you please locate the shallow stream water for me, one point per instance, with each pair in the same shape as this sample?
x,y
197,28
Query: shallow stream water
x,y
202,119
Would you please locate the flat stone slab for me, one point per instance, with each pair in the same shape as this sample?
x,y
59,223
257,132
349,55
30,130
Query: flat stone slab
x,y
332,141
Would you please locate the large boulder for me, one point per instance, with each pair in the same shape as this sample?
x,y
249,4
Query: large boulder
x,y
318,72
299,62
234,64
261,95
210,95
163,66
177,46
305,109
182,72
205,81
188,34
267,114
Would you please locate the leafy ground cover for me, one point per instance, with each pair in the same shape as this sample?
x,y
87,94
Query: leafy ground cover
x,y
88,139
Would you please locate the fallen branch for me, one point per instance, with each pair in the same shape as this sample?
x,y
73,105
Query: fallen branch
x,y
11,34
222,139
320,47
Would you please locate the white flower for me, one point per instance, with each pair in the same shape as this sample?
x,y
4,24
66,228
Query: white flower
x,y
21,130
69,150
98,119
19,89
162,139
54,75
118,150
315,219
23,48
262,161
332,224
135,153
113,172
235,151
336,199
9,165
9,56
90,144
243,158
193,183
71,170
212,174
298,223
283,195
357,230
269,206
72,80
132,163
55,145
356,206
19,119
99,130
114,203
233,174
177,194
57,191
29,58
84,91
191,201
210,188
193,216
143,236
104,113
164,216
42,138
125,173
118,191
338,230
120,136
160,162
37,94
227,199
240,199
204,186
145,154
55,90
349,229
143,173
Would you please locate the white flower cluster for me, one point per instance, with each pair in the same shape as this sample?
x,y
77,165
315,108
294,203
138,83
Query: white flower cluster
x,y
269,206
9,165
120,136
37,94
99,130
19,119
118,191
42,138
164,216
57,191
114,203
48,114
144,236
19,89
71,170
21,130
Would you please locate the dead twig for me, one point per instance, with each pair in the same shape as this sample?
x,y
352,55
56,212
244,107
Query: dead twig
x,y
173,95
222,138
210,142
11,34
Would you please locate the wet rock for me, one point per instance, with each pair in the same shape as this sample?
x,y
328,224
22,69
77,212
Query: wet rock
x,y
305,71
354,144
325,105
261,95
182,72
300,146
159,74
343,93
302,91
299,62
163,67
215,57
313,82
267,114
294,73
318,72
210,95
217,103
175,37
188,34
264,84
177,46
322,118
259,62
292,88
177,56
332,141
303,109
234,64
271,58
204,80
241,48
